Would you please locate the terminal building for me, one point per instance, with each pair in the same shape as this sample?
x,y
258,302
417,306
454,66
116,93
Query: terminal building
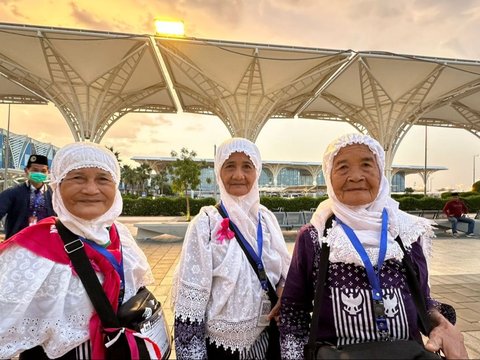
x,y
284,178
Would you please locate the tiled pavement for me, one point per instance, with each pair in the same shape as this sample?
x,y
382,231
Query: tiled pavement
x,y
454,269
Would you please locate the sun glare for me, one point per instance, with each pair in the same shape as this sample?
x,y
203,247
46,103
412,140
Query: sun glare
x,y
169,28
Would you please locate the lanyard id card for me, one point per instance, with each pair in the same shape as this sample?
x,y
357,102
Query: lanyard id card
x,y
265,308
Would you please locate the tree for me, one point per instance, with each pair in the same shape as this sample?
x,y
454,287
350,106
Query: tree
x,y
129,178
185,174
476,186
143,174
116,153
160,179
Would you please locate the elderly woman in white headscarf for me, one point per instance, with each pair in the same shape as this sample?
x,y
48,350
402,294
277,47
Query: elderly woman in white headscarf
x,y
219,301
366,222
43,304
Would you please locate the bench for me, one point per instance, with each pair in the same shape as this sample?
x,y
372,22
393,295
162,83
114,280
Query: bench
x,y
461,226
282,219
295,219
290,220
151,231
307,216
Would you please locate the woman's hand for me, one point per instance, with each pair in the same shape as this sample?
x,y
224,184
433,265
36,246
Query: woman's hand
x,y
275,312
446,337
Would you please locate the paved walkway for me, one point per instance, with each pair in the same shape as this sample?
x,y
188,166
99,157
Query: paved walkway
x,y
454,269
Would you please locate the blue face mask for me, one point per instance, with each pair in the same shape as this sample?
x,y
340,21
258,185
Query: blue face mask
x,y
37,177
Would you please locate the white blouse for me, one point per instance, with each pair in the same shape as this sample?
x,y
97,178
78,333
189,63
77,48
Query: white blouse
x,y
215,283
44,303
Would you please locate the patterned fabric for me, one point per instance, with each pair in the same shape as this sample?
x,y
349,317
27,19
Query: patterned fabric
x,y
190,339
346,314
37,204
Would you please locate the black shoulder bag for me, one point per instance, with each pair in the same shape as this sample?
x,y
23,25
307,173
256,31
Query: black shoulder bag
x,y
138,315
273,350
397,349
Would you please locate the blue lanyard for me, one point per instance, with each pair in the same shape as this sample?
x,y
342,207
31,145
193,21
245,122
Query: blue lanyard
x,y
118,266
256,257
373,278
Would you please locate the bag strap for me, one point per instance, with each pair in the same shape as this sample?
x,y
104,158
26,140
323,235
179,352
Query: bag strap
x,y
414,286
412,282
261,274
320,287
81,263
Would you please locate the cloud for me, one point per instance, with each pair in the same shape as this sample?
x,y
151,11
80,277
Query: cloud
x,y
87,19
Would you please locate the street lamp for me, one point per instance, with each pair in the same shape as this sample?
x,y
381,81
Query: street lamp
x,y
474,156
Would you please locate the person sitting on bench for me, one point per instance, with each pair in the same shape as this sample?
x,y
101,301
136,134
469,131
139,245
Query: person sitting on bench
x,y
456,211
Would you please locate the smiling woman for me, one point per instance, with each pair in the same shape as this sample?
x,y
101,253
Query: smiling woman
x,y
222,308
355,175
88,193
238,174
57,318
357,240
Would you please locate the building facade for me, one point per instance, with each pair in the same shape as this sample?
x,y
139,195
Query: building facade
x,y
18,149
286,178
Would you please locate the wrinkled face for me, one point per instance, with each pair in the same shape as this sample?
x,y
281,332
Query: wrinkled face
x,y
238,174
88,193
355,175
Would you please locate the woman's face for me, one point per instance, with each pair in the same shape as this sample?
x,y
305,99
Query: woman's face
x,y
238,174
88,193
355,175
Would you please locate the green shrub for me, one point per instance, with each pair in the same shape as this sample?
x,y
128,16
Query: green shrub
x,y
175,206
163,206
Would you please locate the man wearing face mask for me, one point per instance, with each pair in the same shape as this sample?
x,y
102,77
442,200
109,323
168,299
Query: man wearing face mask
x,y
30,202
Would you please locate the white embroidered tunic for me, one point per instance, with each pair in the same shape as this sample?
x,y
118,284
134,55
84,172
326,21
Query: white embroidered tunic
x,y
44,303
215,288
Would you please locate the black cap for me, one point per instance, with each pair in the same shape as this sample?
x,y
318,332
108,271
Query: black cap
x,y
454,193
37,159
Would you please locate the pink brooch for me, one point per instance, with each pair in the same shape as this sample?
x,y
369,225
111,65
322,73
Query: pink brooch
x,y
225,232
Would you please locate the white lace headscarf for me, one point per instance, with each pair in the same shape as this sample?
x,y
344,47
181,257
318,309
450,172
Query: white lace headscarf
x,y
81,155
365,220
242,210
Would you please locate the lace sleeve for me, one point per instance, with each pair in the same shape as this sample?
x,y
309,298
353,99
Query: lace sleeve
x,y
190,339
193,277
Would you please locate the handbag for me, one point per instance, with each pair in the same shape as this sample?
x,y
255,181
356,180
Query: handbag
x,y
397,349
139,329
273,349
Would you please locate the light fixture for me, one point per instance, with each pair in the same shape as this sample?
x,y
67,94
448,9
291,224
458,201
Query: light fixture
x,y
169,28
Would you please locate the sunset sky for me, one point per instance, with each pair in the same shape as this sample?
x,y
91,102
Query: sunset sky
x,y
443,28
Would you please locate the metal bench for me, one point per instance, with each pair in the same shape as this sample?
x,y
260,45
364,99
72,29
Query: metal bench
x,y
150,231
307,216
295,219
282,219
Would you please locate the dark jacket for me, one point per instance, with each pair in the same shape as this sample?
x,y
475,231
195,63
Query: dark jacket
x,y
14,203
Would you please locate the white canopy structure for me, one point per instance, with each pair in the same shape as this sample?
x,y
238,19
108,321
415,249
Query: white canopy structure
x,y
95,77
